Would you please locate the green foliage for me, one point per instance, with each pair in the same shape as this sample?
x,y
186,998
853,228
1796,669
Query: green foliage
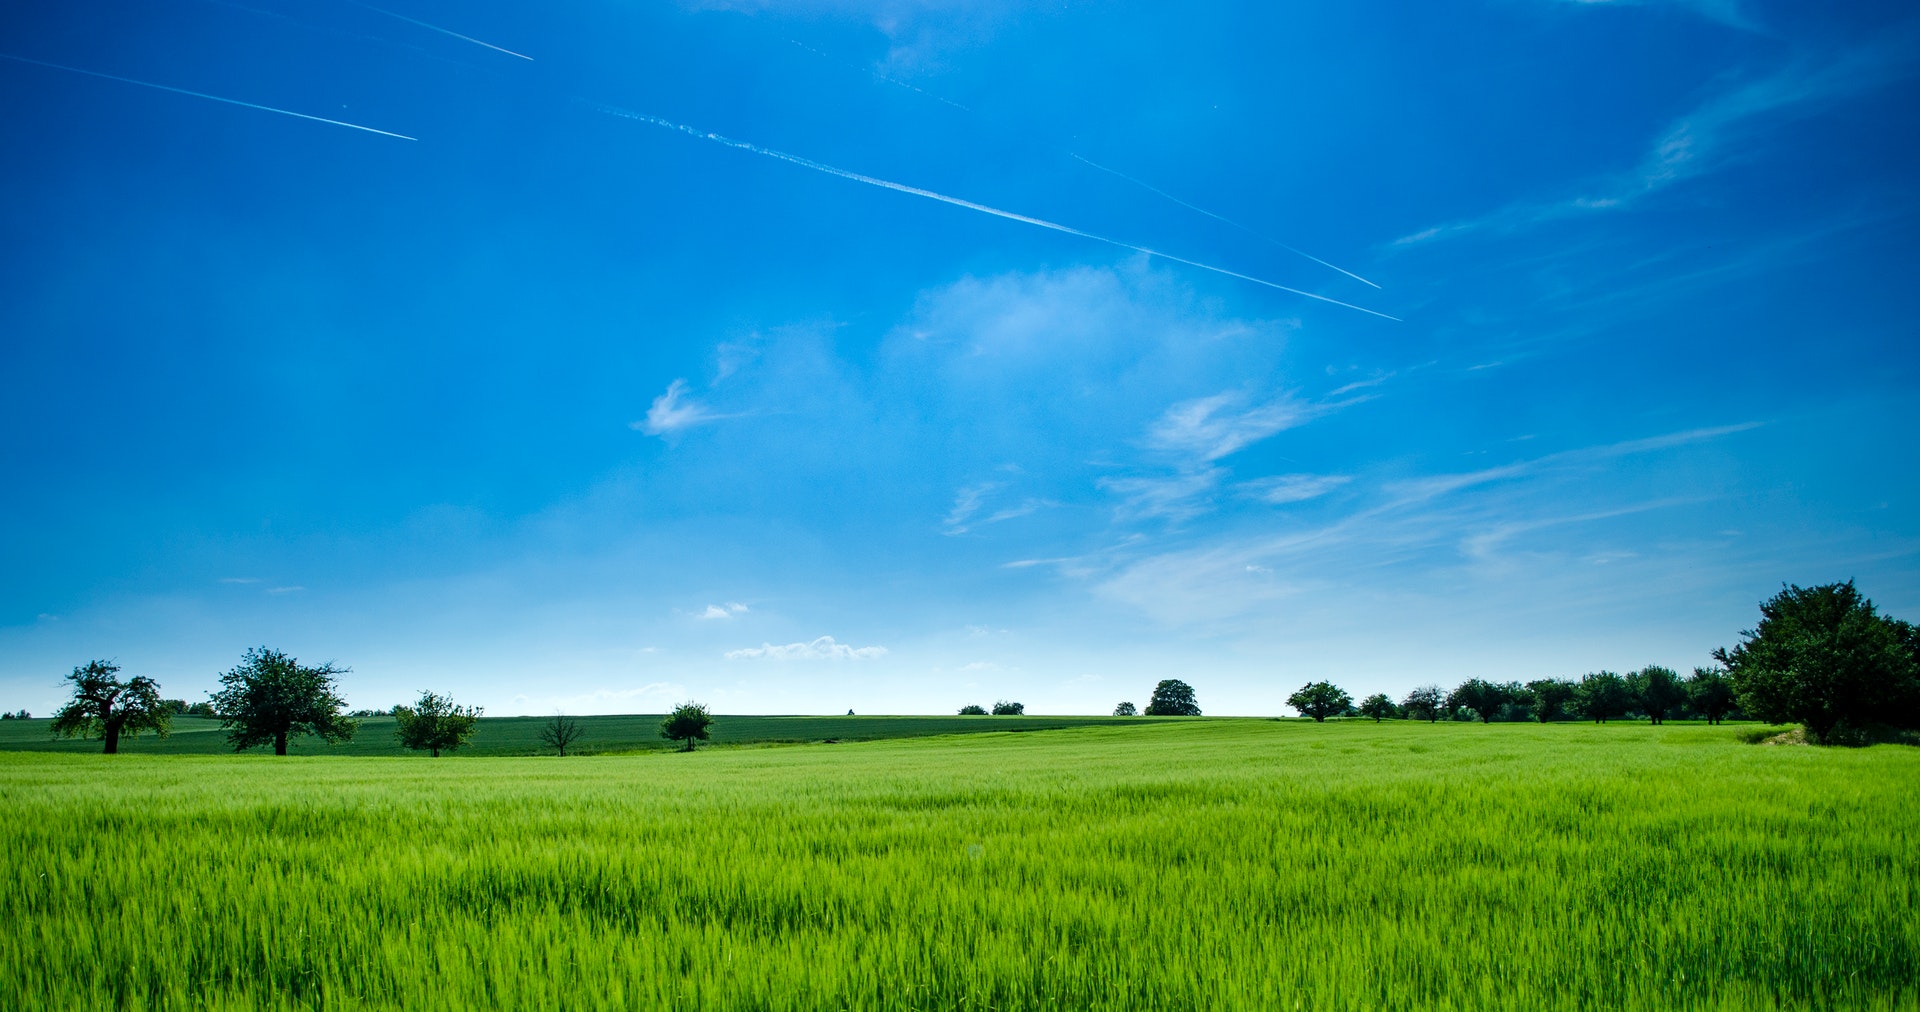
x,y
560,731
1428,702
1823,657
1658,691
1482,698
973,710
434,723
688,722
20,714
1378,706
1174,865
104,707
1125,710
1551,698
271,698
1172,698
1602,696
1004,708
1710,694
1320,700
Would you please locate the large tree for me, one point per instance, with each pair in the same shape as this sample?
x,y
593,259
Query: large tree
x,y
1658,690
1551,697
434,723
1320,700
687,722
271,697
1823,657
1484,698
1379,705
1172,698
1426,702
1603,696
104,707
1709,693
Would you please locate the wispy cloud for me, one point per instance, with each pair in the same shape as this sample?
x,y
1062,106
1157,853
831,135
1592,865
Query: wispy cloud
x,y
826,648
1178,498
673,411
728,610
1213,427
970,503
285,590
1280,489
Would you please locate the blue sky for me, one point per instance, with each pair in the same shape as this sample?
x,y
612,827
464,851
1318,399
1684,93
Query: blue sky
x,y
553,407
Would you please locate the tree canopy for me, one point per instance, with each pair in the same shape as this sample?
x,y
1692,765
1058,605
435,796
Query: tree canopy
x,y
687,723
1551,697
1658,690
1378,706
1426,702
1603,696
434,723
973,710
102,706
1007,708
1484,698
271,697
1709,692
1823,657
1126,709
1320,700
1172,698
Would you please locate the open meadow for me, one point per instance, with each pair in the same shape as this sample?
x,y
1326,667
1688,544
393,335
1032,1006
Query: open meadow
x,y
1202,864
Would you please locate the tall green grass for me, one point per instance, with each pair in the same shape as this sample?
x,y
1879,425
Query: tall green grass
x,y
1188,865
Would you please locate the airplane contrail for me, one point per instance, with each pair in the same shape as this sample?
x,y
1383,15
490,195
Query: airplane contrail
x,y
437,28
201,94
1194,207
958,202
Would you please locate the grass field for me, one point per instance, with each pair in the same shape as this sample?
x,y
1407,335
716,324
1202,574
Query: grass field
x,y
521,735
1206,864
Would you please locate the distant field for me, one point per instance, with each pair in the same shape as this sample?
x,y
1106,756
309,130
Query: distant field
x,y
1200,864
508,736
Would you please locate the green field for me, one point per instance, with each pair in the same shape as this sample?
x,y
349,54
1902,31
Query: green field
x,y
1203,864
521,735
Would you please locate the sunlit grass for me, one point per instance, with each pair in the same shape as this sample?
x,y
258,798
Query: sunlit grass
x,y
1205,864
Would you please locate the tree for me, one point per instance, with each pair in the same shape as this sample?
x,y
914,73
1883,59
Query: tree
x,y
1823,657
973,710
1320,700
1125,710
1426,702
1172,698
559,731
1551,698
434,722
1658,690
20,714
270,697
1004,708
105,707
687,722
1484,698
1709,692
1603,695
1379,705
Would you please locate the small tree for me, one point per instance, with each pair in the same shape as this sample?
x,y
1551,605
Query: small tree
x,y
1320,700
1426,702
1172,698
104,707
1551,698
1484,698
434,723
560,731
1822,657
1604,695
973,710
688,721
1658,690
1379,705
1709,692
1004,708
1125,710
270,697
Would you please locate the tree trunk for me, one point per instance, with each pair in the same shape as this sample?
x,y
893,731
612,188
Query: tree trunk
x,y
113,739
280,743
433,751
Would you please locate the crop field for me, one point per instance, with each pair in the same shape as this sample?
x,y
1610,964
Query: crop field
x,y
1196,864
521,735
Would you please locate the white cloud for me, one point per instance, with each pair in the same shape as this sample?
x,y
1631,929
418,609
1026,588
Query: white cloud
x,y
1285,488
673,411
728,610
823,649
1178,498
1213,427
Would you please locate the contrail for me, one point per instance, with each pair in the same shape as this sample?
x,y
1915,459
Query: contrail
x,y
437,28
1193,207
957,202
200,94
